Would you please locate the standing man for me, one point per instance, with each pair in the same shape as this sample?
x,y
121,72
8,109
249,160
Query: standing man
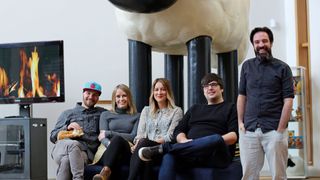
x,y
76,135
205,136
264,106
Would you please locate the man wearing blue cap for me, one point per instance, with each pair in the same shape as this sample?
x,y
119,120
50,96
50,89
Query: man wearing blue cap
x,y
75,135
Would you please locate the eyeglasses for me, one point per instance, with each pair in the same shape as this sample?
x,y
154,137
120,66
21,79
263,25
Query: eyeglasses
x,y
212,84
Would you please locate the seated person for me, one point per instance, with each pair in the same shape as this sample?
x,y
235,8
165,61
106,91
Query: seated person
x,y
206,136
75,135
156,126
118,127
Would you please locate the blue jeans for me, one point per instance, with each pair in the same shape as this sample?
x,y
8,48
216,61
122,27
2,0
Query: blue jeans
x,y
208,151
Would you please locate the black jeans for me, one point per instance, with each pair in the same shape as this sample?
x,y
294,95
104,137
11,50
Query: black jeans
x,y
117,154
139,167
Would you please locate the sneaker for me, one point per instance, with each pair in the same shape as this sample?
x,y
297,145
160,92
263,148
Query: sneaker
x,y
147,153
104,174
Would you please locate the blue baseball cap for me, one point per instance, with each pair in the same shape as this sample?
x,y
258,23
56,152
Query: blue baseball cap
x,y
92,86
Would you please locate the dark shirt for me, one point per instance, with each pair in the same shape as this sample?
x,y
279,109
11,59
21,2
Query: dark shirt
x,y
88,119
204,120
265,84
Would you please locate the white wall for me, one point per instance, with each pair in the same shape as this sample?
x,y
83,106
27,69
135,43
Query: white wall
x,y
95,49
290,26
260,15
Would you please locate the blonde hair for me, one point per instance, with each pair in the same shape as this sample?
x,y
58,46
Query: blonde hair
x,y
131,109
170,98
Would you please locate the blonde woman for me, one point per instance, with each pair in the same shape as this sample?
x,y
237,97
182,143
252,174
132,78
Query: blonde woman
x,y
118,127
156,125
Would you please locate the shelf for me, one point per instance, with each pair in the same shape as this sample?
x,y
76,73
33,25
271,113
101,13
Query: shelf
x,y
294,121
23,148
296,128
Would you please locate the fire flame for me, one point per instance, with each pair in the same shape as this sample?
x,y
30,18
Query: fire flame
x,y
29,83
23,72
4,90
33,64
55,88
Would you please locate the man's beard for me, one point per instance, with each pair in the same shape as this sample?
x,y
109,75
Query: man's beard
x,y
263,56
88,103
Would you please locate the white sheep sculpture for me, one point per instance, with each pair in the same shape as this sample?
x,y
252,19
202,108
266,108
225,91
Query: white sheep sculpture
x,y
169,26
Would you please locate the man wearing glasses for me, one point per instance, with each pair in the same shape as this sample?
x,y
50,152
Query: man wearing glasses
x,y
205,137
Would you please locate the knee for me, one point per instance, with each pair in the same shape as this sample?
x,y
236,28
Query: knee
x,y
73,145
143,142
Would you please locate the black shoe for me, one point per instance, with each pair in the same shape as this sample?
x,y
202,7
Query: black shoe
x,y
147,153
291,163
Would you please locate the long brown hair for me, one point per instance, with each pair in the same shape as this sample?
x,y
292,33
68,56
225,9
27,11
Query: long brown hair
x,y
131,107
170,98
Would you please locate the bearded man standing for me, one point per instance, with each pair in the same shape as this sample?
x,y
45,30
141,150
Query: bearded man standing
x,y
264,106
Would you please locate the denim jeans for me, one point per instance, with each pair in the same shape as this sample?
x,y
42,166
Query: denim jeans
x,y
208,151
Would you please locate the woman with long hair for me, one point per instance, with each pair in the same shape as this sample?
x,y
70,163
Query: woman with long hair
x,y
156,126
118,127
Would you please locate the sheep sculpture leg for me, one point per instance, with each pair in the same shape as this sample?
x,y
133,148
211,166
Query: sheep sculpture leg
x,y
199,58
173,71
199,55
140,72
228,71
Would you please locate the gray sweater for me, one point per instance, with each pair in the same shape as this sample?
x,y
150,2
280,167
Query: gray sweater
x,y
120,124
